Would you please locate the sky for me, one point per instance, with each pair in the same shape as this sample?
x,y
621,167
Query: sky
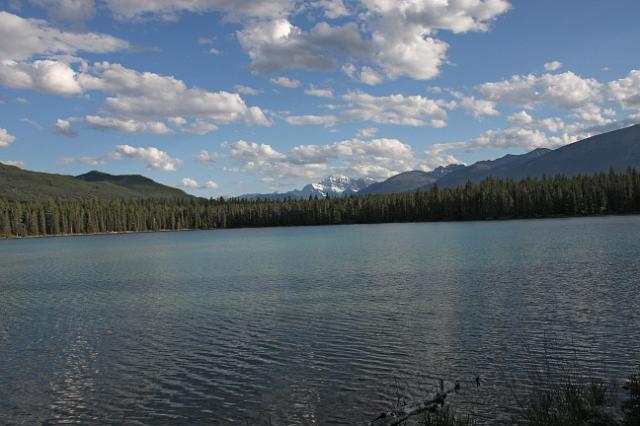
x,y
226,97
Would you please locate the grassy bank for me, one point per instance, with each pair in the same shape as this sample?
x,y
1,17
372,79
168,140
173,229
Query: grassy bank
x,y
567,404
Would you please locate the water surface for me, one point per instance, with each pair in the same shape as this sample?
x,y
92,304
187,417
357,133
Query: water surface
x,y
313,325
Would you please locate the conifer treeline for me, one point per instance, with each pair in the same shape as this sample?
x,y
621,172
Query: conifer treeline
x,y
605,193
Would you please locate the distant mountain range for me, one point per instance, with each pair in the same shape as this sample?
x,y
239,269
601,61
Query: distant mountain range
x,y
617,150
333,186
24,185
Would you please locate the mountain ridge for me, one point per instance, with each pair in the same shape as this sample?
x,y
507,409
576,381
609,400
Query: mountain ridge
x,y
24,185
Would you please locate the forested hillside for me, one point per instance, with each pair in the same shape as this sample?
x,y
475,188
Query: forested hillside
x,y
604,193
24,185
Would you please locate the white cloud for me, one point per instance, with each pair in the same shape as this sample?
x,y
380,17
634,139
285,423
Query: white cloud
x,y
15,163
497,139
127,126
370,76
43,75
302,120
396,109
151,156
146,96
333,9
32,123
403,31
246,90
72,11
520,118
64,128
211,185
207,158
318,92
566,90
367,132
86,161
214,51
177,121
274,45
476,107
286,82
377,158
189,183
167,9
25,38
205,40
6,138
552,66
626,90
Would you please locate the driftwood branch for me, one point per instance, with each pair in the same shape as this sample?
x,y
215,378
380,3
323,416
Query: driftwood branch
x,y
401,414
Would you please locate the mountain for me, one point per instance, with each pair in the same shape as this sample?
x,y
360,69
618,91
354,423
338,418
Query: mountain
x,y
479,171
617,150
140,185
24,185
410,181
333,186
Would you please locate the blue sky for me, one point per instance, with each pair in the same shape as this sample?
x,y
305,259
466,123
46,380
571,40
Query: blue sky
x,y
223,97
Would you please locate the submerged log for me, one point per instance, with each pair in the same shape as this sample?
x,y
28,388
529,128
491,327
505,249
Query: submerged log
x,y
401,414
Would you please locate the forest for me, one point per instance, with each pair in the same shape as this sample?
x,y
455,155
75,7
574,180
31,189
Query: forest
x,y
600,194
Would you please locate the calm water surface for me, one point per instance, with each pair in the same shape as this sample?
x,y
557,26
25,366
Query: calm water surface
x,y
318,325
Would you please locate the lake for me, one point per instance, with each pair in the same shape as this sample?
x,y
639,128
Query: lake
x,y
310,325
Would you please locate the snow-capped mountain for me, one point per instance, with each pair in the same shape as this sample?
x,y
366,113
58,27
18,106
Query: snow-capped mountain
x,y
333,186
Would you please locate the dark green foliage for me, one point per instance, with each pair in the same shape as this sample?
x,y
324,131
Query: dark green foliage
x,y
23,185
570,405
445,417
631,406
604,193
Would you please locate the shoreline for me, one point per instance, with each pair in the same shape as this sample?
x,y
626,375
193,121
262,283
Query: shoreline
x,y
94,234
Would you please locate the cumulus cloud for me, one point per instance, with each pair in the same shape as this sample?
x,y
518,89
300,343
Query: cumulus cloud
x,y
366,132
370,76
189,183
193,184
318,92
149,97
6,138
127,126
497,139
43,75
566,90
286,82
626,90
303,120
151,156
246,90
476,107
207,158
63,127
168,9
275,45
24,38
377,159
552,66
396,109
68,11
85,161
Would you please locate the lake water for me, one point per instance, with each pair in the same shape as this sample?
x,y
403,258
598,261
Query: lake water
x,y
315,325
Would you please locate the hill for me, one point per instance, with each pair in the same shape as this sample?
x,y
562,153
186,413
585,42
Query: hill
x,y
24,185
